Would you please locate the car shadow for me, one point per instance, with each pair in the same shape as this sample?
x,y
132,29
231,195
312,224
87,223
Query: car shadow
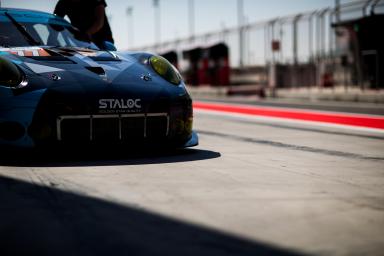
x,y
40,220
94,157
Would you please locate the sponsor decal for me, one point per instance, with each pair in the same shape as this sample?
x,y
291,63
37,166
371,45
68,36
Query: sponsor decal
x,y
119,105
26,51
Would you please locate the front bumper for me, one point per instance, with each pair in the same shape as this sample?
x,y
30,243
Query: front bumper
x,y
43,127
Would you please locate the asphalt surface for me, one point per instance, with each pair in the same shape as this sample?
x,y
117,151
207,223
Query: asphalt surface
x,y
252,187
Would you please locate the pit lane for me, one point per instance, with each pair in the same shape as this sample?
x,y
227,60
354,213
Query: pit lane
x,y
252,187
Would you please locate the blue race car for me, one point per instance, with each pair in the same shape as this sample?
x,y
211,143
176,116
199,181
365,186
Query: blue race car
x,y
58,89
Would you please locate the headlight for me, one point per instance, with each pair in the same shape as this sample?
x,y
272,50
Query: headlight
x,y
10,75
165,69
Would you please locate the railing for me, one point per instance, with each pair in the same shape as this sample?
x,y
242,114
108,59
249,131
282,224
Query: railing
x,y
304,38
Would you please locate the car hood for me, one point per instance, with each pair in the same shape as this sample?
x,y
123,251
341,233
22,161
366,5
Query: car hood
x,y
48,61
92,73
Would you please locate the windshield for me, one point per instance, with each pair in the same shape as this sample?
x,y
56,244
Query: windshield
x,y
44,33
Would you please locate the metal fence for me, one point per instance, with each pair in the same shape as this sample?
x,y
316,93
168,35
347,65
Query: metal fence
x,y
304,42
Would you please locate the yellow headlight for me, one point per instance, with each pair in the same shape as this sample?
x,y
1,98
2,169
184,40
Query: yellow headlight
x,y
165,69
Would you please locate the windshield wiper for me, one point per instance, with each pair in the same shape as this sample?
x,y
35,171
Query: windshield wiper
x,y
19,27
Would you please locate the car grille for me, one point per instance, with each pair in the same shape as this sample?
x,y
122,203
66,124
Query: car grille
x,y
112,128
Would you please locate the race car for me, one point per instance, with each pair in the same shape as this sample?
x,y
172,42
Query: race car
x,y
58,89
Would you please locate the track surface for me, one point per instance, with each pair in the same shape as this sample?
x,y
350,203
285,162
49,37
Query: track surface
x,y
252,187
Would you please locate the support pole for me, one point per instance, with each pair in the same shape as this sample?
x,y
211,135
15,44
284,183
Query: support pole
x,y
294,72
295,40
157,25
337,10
130,29
191,14
240,17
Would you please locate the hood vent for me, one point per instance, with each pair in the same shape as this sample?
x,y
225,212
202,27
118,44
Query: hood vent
x,y
52,56
104,58
97,70
59,59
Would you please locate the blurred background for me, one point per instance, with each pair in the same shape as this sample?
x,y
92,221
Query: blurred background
x,y
259,46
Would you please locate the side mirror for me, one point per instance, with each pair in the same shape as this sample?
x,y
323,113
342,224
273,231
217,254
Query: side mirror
x,y
109,46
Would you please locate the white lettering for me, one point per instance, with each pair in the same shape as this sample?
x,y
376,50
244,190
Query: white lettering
x,y
103,103
116,104
137,103
119,103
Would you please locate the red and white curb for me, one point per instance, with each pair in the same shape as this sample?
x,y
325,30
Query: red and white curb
x,y
335,119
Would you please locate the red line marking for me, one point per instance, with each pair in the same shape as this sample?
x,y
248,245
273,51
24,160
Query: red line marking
x,y
306,115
